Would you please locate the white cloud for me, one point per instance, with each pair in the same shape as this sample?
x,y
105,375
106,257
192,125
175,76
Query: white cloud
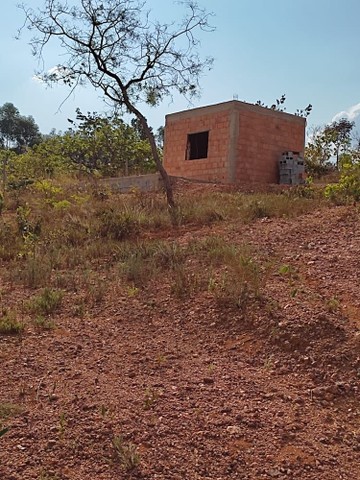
x,y
54,73
352,113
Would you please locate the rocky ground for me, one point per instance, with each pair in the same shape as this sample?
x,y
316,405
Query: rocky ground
x,y
190,390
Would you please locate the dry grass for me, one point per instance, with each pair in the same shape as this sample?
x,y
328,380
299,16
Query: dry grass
x,y
60,235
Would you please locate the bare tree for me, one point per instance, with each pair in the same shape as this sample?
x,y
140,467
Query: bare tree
x,y
116,47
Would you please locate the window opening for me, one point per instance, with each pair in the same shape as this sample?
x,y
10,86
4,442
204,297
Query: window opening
x,y
197,145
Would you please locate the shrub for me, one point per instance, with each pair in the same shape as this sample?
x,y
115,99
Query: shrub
x,y
348,187
9,324
46,303
9,241
43,323
34,272
118,225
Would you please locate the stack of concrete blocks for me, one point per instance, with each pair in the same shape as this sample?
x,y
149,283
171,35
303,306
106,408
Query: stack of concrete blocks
x,y
292,169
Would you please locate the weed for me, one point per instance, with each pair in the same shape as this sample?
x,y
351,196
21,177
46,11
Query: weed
x,y
150,398
211,367
206,211
161,359
27,225
62,424
43,323
132,291
269,362
332,304
118,225
9,241
181,286
44,475
288,271
3,431
257,209
79,308
35,271
138,262
240,282
136,270
168,255
9,324
103,411
46,303
9,409
95,291
125,454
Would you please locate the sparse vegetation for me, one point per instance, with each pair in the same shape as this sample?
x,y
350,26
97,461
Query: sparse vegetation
x,y
125,453
46,303
9,324
8,410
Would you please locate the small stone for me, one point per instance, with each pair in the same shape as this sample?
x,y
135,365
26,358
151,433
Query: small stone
x,y
233,429
208,381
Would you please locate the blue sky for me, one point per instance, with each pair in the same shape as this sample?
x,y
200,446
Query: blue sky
x,y
306,49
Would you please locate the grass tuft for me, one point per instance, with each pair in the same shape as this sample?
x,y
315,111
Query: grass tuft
x,y
9,325
46,303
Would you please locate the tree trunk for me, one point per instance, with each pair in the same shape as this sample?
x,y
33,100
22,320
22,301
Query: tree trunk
x,y
150,136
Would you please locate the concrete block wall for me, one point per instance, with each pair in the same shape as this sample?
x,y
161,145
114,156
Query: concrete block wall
x,y
245,142
145,183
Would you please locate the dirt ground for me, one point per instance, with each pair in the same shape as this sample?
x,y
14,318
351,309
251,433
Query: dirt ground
x,y
195,391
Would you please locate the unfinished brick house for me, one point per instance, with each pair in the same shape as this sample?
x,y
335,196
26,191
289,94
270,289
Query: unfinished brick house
x,y
231,142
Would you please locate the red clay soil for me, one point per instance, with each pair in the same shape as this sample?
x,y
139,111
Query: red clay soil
x,y
202,392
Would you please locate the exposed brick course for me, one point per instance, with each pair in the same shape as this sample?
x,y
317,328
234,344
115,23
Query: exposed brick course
x,y
245,142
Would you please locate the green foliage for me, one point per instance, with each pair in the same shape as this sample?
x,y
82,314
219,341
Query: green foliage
x,y
9,324
118,225
279,106
338,136
325,143
28,228
46,303
109,145
17,131
348,187
43,323
9,240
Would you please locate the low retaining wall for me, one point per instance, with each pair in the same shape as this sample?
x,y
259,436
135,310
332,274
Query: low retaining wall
x,y
145,183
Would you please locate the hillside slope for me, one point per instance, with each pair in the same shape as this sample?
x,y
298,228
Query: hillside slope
x,y
189,387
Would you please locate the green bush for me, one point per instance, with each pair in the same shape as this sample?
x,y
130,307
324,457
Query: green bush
x,y
9,324
348,187
45,303
118,225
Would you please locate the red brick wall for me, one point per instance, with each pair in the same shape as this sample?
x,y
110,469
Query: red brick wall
x,y
245,142
177,128
262,139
